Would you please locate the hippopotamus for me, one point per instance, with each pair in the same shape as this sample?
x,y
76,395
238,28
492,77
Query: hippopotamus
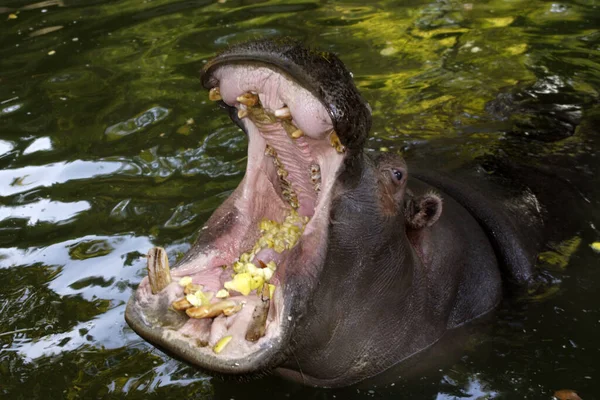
x,y
328,264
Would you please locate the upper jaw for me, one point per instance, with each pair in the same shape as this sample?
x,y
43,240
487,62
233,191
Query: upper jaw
x,y
320,73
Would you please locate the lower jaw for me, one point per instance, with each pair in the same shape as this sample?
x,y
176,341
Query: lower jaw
x,y
201,339
175,343
245,321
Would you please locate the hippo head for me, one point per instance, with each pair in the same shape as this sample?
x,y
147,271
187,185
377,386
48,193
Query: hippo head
x,y
308,266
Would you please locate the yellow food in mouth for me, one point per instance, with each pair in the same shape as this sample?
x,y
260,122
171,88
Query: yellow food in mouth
x,y
221,344
243,283
277,236
248,276
199,298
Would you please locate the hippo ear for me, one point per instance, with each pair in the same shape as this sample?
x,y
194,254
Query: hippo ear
x,y
423,211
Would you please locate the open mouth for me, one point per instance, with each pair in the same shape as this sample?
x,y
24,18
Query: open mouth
x,y
227,305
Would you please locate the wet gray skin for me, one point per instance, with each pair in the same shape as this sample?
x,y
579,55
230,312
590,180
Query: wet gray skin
x,y
387,264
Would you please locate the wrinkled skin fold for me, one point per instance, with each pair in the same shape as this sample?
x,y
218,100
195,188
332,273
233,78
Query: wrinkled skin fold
x,y
376,265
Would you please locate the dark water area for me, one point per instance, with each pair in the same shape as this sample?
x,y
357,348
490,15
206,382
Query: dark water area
x,y
109,146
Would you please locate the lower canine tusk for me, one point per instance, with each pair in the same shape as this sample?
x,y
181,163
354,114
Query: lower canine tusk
x,y
258,324
159,274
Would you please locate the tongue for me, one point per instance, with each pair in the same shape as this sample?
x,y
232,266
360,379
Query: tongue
x,y
267,255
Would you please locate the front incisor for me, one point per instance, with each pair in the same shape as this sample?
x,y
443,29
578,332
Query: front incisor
x,y
182,304
210,311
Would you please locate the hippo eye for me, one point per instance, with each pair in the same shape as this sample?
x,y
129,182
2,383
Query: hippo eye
x,y
398,174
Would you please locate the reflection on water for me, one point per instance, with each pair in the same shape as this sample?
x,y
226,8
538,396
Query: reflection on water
x,y
5,147
108,146
149,117
39,144
27,178
44,210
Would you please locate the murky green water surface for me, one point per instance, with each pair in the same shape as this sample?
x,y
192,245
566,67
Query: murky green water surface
x,y
108,146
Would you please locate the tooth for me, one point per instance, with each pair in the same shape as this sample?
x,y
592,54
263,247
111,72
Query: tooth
x,y
297,134
159,274
282,173
248,99
335,142
214,94
283,113
210,311
181,304
258,325
232,310
317,186
314,168
269,151
285,182
242,113
314,178
192,288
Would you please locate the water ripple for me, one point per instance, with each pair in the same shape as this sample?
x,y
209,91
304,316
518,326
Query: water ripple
x,y
13,181
136,124
46,211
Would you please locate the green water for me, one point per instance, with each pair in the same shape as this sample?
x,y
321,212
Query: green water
x,y
108,146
